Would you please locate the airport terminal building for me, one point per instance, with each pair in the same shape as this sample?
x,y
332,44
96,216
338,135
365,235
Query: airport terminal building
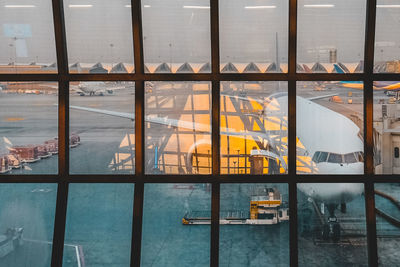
x,y
199,133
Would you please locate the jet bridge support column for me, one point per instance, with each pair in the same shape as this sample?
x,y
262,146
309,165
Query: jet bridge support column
x,y
256,164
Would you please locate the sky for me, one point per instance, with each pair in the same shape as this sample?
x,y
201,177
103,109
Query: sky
x,y
177,31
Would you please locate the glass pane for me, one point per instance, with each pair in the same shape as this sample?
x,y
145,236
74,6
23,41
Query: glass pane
x,y
176,36
387,223
27,221
98,229
253,35
28,128
330,127
27,42
386,127
178,127
387,41
99,36
330,32
254,227
168,239
253,127
331,225
102,127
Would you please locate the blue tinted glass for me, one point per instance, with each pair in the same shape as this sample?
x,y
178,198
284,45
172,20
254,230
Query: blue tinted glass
x,y
331,224
26,224
99,225
387,223
167,238
254,225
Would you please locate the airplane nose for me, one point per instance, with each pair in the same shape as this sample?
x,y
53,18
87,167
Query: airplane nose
x,y
329,168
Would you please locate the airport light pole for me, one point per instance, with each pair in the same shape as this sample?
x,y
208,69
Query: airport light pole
x,y
238,160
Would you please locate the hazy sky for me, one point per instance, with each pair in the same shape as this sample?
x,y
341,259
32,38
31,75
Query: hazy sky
x,y
179,31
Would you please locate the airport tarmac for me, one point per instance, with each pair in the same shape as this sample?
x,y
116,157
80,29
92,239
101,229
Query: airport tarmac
x,y
107,142
388,235
32,207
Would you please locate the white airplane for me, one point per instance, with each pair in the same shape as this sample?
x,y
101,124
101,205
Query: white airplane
x,y
97,88
330,139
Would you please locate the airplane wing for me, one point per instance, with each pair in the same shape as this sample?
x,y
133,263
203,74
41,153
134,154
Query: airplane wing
x,y
107,112
153,119
75,88
244,98
199,127
320,97
389,86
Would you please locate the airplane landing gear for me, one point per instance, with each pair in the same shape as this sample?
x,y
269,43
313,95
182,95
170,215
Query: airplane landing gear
x,y
343,208
331,229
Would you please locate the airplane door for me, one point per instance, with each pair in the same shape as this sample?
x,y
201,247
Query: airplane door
x,y
396,154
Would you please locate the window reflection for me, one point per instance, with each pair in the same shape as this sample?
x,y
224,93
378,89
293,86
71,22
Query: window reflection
x,y
386,129
253,127
98,229
28,128
387,223
387,42
178,127
254,228
245,41
175,32
99,36
329,118
331,224
27,221
102,138
330,33
167,238
27,37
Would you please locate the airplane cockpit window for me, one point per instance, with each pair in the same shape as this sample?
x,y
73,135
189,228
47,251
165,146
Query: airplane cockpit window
x,y
350,158
322,157
316,156
335,158
360,156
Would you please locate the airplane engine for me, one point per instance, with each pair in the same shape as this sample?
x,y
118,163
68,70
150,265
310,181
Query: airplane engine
x,y
198,157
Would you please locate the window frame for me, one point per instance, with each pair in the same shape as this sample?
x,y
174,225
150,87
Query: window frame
x,y
64,178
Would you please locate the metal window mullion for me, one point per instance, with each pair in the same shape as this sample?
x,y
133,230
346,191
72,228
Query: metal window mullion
x,y
136,241
215,131
139,174
368,132
292,55
63,133
292,174
215,152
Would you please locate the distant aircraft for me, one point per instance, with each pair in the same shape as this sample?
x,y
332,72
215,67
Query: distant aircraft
x,y
387,87
96,88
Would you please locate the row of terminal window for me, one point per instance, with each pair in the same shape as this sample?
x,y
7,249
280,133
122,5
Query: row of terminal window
x,y
352,157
